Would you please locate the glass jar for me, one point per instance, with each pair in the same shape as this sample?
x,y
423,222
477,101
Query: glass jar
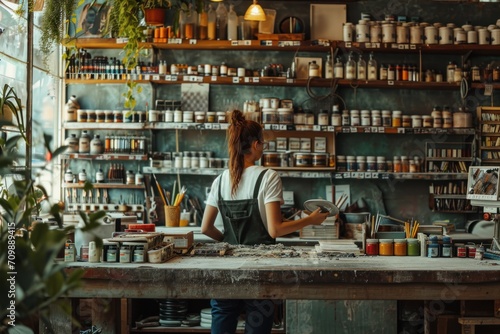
x,y
365,118
396,118
84,142
96,146
427,121
285,116
188,117
81,115
351,163
211,116
400,247
371,163
405,164
416,121
361,163
125,254
437,118
397,167
386,247
433,250
341,163
269,116
372,246
406,121
308,118
413,247
346,118
355,120
178,116
376,118
381,164
323,117
386,118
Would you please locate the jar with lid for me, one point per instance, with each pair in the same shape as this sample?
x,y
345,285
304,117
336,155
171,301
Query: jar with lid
x,y
406,121
381,164
117,116
221,117
68,176
447,118
371,163
308,117
396,118
416,121
130,177
84,142
211,116
361,163
376,118
336,118
100,116
413,166
178,117
386,247
82,176
341,163
400,247
285,116
81,115
323,117
110,251
96,146
72,143
355,120
108,116
365,118
313,70
386,118
372,246
351,163
269,116
405,164
138,254
397,166
139,178
427,121
188,117
413,247
346,118
125,253
168,116
91,116
433,248
437,118
338,69
199,117
99,176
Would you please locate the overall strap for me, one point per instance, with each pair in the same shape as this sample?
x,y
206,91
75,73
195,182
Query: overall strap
x,y
257,185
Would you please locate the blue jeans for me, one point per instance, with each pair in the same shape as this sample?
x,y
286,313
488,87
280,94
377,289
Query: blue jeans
x,y
259,315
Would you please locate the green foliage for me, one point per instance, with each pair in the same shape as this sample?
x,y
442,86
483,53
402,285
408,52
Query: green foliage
x,y
30,250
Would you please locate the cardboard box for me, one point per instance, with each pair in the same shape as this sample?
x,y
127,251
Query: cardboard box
x,y
182,241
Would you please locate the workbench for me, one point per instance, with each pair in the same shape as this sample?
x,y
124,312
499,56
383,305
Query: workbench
x,y
307,277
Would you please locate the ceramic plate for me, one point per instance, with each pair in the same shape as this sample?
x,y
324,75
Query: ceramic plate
x,y
325,206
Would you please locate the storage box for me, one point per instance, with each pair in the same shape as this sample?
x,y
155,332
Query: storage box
x,y
182,241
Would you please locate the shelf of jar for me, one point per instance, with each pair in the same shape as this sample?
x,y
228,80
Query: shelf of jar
x,y
104,126
405,176
449,159
403,130
293,172
104,185
193,44
170,79
487,49
108,207
105,156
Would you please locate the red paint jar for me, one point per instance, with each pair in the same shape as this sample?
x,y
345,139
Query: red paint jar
x,y
471,250
461,251
371,246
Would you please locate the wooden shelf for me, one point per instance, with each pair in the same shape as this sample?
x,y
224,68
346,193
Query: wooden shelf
x,y
104,186
103,126
194,329
106,156
403,176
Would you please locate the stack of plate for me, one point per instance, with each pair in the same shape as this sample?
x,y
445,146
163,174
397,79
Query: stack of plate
x,y
173,312
206,318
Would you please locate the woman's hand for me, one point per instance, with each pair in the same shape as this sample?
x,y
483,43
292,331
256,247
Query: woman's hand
x,y
317,217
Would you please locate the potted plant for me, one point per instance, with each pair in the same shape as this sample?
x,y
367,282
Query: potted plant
x,y
155,11
31,278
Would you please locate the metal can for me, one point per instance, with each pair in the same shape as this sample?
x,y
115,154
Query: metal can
x,y
70,252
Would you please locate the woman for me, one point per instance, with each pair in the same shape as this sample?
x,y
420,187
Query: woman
x,y
248,198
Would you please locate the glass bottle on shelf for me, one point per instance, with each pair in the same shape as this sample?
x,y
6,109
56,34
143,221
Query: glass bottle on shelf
x,y
191,23
221,12
182,24
202,23
84,142
372,68
350,68
232,24
338,69
99,176
361,68
313,69
212,23
328,67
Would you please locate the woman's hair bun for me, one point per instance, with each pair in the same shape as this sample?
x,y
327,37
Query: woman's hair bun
x,y
237,117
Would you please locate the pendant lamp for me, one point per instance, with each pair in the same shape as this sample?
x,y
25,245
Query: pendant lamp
x,y
255,12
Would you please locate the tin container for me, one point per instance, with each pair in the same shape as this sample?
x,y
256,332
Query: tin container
x,y
271,159
319,159
303,159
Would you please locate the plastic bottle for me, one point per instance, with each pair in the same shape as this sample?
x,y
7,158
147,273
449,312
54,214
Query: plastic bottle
x,y
221,21
212,23
232,24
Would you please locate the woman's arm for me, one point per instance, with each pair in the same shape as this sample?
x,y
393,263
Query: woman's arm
x,y
208,223
278,228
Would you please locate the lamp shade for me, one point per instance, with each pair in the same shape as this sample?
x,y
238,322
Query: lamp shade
x,y
255,12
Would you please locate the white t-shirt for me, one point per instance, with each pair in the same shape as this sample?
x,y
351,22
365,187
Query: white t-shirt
x,y
271,189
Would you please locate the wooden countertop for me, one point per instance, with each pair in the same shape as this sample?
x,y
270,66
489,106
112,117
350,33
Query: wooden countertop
x,y
308,276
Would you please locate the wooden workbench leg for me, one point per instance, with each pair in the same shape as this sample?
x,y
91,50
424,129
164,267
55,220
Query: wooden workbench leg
x,y
468,329
59,320
106,314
